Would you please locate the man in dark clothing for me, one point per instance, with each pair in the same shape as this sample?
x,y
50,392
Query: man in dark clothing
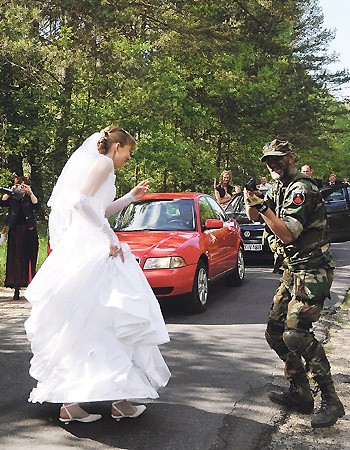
x,y
308,171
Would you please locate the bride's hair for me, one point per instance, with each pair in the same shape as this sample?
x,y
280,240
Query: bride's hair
x,y
112,134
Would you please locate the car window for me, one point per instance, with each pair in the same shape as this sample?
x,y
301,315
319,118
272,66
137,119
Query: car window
x,y
237,205
218,211
157,215
205,211
210,209
336,200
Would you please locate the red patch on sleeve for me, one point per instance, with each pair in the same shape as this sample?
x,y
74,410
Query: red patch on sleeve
x,y
298,198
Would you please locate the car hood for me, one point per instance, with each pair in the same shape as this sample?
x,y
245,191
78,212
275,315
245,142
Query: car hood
x,y
155,242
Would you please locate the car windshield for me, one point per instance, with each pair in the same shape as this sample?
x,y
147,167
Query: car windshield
x,y
157,215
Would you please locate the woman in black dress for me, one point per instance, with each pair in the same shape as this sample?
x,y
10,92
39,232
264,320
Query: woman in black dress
x,y
22,242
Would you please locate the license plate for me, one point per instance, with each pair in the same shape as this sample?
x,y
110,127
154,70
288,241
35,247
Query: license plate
x,y
253,247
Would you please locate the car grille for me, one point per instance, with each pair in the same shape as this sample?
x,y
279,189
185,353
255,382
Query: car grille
x,y
249,234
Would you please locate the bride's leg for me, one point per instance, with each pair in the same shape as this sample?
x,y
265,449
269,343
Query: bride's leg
x,y
72,411
122,408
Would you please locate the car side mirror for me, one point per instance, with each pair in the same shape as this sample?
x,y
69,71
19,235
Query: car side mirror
x,y
211,224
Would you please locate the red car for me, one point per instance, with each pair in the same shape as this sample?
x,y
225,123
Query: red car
x,y
182,241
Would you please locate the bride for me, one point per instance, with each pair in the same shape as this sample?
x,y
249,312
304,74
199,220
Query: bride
x,y
95,324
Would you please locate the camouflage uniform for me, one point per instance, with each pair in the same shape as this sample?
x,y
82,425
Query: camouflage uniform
x,y
307,277
307,267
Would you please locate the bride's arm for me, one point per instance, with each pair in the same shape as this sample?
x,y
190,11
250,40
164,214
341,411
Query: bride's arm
x,y
135,194
119,204
83,205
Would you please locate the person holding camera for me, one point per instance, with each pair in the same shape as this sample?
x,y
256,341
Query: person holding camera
x,y
21,228
294,212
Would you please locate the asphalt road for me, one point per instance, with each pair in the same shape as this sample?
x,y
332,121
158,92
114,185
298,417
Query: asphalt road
x,y
221,370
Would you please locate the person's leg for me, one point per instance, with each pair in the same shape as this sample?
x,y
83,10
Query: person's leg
x,y
122,409
302,312
16,293
73,412
299,395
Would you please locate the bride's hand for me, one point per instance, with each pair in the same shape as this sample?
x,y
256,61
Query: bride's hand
x,y
140,189
115,251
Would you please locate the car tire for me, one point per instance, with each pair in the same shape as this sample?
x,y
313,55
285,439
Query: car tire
x,y
199,296
236,277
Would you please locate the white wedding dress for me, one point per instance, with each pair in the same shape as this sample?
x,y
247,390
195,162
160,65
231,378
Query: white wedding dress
x,y
95,324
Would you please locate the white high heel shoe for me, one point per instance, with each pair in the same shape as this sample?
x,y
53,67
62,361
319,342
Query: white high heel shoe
x,y
89,418
139,410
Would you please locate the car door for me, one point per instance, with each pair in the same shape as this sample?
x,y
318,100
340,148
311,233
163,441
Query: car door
x,y
220,259
338,212
212,241
229,236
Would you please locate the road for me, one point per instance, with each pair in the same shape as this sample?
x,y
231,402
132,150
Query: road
x,y
221,370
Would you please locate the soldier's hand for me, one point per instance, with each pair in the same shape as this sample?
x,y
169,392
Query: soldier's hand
x,y
254,201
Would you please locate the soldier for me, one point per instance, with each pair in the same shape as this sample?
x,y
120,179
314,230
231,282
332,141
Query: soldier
x,y
296,231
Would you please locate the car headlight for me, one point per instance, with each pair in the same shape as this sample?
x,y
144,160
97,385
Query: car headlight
x,y
167,262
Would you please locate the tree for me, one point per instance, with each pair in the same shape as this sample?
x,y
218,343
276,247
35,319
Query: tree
x,y
202,85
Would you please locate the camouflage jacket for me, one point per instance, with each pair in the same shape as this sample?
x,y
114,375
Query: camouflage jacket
x,y
301,206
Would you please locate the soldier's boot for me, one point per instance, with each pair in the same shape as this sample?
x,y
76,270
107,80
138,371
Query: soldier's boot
x,y
298,397
331,407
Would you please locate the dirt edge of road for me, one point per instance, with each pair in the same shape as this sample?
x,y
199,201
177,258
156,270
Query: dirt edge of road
x,y
295,432
257,424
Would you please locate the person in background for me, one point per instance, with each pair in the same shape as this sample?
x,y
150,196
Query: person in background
x,y
187,214
345,180
264,186
224,191
307,170
296,225
22,242
332,179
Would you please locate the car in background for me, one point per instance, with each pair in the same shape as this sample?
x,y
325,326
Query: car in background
x,y
337,200
251,232
183,241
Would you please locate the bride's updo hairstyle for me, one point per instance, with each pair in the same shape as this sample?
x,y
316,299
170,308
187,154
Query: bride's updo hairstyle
x,y
113,134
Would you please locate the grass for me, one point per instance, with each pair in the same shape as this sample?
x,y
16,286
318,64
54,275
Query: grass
x,y
42,254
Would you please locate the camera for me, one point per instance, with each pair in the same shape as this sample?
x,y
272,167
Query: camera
x,y
251,185
14,193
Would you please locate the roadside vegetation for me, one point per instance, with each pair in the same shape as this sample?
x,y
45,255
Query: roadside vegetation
x,y
201,84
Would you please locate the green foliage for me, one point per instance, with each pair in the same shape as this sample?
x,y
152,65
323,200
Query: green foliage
x,y
202,85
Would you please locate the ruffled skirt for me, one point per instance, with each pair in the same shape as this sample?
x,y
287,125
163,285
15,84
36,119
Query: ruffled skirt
x,y
94,328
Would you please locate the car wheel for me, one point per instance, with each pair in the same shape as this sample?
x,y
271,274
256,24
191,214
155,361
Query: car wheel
x,y
199,295
236,277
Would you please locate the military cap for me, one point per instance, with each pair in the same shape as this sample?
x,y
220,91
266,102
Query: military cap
x,y
276,148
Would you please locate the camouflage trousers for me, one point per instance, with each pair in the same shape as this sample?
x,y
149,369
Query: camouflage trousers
x,y
298,302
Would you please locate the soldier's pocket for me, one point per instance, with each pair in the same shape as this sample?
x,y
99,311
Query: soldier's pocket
x,y
311,286
301,314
